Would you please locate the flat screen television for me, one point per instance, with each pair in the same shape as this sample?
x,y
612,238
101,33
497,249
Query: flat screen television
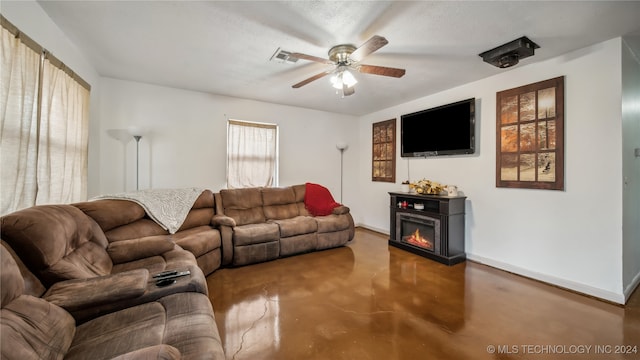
x,y
443,130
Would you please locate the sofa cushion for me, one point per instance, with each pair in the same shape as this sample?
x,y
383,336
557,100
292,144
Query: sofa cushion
x,y
331,223
298,225
141,227
144,247
32,285
243,205
86,261
206,200
110,214
279,203
79,294
255,253
11,282
184,321
57,242
196,218
199,240
298,244
300,191
177,258
201,211
34,328
255,234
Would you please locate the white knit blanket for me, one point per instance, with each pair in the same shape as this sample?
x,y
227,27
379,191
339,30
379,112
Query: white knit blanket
x,y
167,207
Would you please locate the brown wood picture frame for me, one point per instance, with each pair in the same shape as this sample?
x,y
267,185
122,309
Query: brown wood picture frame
x,y
383,166
530,136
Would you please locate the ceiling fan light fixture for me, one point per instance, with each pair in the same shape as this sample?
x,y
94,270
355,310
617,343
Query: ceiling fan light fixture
x,y
347,57
343,78
348,78
336,81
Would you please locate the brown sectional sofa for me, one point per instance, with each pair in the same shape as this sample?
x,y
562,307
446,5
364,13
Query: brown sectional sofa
x,y
176,326
261,224
90,267
125,221
71,256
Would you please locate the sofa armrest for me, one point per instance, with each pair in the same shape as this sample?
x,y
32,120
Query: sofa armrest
x,y
226,237
135,249
340,210
222,220
79,294
164,352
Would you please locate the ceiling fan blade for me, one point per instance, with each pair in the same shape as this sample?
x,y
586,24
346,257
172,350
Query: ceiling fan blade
x,y
371,45
381,70
313,78
310,58
346,91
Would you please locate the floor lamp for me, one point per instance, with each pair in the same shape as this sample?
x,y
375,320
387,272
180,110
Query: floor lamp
x,y
137,135
342,147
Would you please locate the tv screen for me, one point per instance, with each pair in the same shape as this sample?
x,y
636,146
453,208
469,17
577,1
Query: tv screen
x,y
443,130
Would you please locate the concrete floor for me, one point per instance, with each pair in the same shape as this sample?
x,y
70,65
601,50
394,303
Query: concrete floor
x,y
371,301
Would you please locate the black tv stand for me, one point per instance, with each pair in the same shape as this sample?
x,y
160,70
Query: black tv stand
x,y
441,221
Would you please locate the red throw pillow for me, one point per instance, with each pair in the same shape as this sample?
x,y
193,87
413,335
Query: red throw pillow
x,y
318,200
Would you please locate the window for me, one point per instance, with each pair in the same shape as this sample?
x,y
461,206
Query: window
x,y
252,154
44,127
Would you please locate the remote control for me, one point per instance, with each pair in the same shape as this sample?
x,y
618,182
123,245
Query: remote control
x,y
173,275
165,273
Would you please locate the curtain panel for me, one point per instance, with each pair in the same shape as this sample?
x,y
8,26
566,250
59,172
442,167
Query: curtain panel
x,y
63,142
251,154
44,126
18,130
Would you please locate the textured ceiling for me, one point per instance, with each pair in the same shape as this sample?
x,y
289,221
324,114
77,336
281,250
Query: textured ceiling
x,y
225,47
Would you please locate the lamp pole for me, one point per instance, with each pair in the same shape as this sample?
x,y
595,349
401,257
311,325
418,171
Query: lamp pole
x,y
137,137
342,147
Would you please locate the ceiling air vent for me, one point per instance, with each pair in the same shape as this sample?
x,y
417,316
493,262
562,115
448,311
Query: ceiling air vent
x,y
283,56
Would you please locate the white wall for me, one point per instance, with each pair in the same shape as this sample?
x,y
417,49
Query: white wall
x,y
631,163
571,238
186,143
29,17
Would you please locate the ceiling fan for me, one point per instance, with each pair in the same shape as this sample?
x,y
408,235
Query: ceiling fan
x,y
347,57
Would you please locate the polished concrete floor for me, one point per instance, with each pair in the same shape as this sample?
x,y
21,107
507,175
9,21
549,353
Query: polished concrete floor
x,y
370,301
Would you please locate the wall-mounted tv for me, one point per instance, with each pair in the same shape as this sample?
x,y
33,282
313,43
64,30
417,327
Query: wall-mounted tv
x,y
443,130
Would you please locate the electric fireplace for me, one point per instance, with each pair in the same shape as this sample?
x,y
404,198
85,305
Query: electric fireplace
x,y
428,225
420,231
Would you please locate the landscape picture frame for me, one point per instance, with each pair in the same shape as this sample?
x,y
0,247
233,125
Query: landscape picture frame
x,y
383,151
530,136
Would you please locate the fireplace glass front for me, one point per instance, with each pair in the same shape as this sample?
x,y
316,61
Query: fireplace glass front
x,y
422,232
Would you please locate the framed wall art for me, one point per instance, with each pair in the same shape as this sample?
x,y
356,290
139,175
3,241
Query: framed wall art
x,y
384,151
530,136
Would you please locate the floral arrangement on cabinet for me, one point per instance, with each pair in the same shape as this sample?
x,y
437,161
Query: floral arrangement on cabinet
x,y
425,186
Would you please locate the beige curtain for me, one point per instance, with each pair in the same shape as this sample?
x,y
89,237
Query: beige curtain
x,y
64,131
251,154
18,132
44,130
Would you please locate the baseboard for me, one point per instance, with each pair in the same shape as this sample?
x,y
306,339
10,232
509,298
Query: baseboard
x,y
372,228
563,283
631,287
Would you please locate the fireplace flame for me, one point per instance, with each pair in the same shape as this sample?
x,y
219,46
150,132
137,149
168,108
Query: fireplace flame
x,y
419,240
